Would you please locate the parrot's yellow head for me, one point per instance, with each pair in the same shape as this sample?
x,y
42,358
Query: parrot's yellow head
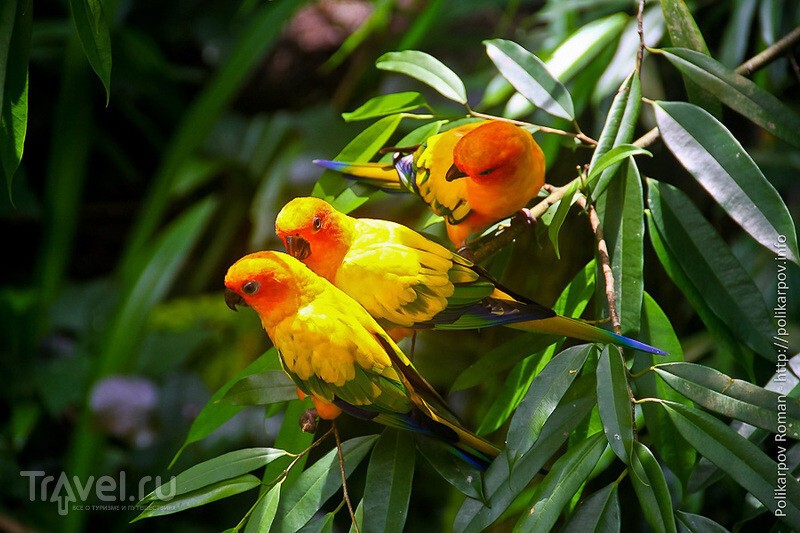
x,y
494,152
269,282
315,233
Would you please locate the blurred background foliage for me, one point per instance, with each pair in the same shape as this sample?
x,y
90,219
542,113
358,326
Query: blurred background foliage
x,y
131,200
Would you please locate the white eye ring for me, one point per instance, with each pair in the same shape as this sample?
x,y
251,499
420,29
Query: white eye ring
x,y
251,287
317,222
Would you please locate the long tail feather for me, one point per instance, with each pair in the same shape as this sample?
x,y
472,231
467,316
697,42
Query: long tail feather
x,y
578,329
380,175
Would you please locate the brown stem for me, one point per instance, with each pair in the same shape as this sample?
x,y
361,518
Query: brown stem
x,y
344,478
605,262
640,29
747,68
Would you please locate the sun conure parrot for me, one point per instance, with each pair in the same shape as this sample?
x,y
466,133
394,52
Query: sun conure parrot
x,y
335,352
406,280
472,175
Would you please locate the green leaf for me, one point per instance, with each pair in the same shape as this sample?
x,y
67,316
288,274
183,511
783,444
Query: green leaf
x,y
389,476
612,157
656,330
214,413
561,483
427,69
264,513
572,302
300,502
599,513
529,76
455,470
620,211
614,402
721,165
693,523
92,29
742,460
544,395
651,489
332,186
737,92
554,227
263,388
711,266
15,35
502,485
386,105
208,494
226,466
733,397
323,524
684,33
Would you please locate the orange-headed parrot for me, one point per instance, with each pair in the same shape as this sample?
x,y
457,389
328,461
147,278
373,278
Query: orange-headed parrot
x,y
406,280
335,352
472,175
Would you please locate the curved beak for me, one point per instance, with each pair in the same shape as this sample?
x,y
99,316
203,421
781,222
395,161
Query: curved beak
x,y
297,246
454,173
232,299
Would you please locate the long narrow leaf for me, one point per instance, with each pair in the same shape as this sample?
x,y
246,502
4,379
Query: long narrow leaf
x,y
737,92
92,29
529,76
389,476
427,69
264,514
721,165
651,489
560,484
300,502
264,388
739,458
709,263
599,513
614,402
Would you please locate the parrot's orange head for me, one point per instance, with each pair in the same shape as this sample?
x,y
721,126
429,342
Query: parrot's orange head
x,y
266,281
315,233
490,152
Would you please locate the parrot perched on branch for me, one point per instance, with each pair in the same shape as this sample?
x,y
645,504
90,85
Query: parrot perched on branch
x,y
405,280
335,352
472,175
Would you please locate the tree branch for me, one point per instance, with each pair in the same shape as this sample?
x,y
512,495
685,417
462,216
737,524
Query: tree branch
x,y
605,262
344,478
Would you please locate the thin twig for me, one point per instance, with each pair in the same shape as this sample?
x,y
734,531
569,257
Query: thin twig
x,y
344,478
747,68
605,262
640,29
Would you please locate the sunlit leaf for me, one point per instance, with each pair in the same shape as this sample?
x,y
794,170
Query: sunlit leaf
x,y
721,165
92,29
737,92
684,33
386,105
614,402
612,157
529,76
300,502
15,35
554,227
651,489
711,266
427,69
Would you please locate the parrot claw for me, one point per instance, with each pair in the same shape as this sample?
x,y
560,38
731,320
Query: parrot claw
x,y
308,422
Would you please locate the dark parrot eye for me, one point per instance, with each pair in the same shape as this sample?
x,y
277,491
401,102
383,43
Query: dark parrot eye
x,y
317,222
487,171
251,287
